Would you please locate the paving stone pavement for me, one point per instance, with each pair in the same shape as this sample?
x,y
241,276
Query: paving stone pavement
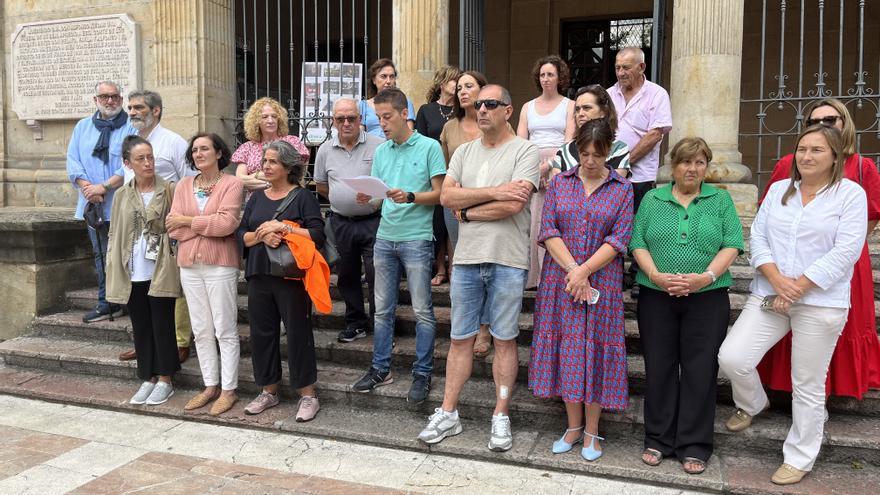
x,y
48,448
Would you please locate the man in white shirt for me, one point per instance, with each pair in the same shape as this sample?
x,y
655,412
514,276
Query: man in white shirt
x,y
169,150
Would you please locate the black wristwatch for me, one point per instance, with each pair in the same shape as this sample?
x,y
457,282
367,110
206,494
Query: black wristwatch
x,y
410,197
463,214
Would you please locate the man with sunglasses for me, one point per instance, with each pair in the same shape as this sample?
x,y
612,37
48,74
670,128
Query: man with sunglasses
x,y
413,167
349,153
94,167
488,185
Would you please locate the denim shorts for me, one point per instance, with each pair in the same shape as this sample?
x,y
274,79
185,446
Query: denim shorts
x,y
498,287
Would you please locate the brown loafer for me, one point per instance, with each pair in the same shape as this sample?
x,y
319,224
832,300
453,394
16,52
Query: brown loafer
x,y
183,354
788,475
200,400
223,404
128,355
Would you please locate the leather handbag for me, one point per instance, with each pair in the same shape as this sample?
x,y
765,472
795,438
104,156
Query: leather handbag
x,y
329,251
281,260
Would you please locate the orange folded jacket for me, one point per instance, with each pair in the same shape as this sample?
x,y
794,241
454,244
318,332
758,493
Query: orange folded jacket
x,y
317,271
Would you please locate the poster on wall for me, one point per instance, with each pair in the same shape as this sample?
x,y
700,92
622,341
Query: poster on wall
x,y
322,84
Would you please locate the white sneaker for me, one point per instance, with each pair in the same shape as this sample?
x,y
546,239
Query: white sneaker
x,y
441,424
160,394
502,438
140,397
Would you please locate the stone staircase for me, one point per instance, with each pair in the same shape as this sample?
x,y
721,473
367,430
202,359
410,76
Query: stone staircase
x,y
65,360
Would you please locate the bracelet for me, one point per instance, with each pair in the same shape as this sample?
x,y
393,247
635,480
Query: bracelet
x,y
589,269
463,214
106,186
571,266
711,275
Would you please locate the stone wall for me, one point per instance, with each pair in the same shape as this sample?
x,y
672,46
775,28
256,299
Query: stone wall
x,y
186,52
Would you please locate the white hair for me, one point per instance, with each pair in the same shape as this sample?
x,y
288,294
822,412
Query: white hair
x,y
635,51
347,100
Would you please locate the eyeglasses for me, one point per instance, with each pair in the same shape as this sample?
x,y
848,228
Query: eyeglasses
x,y
829,120
108,97
490,104
351,119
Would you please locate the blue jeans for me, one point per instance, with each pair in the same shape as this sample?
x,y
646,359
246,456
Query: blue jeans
x,y
99,239
417,258
486,293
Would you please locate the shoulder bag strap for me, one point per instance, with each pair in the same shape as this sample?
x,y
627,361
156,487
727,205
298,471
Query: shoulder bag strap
x,y
287,200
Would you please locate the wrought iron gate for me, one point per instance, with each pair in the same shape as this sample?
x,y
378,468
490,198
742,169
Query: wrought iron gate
x,y
275,37
471,49
808,50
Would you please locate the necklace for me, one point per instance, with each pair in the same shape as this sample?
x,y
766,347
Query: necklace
x,y
445,115
205,190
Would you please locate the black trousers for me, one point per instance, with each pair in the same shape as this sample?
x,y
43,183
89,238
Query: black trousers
x,y
272,300
639,191
354,241
152,323
680,341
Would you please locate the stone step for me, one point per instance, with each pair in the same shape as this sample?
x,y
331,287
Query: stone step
x,y
849,438
359,355
734,474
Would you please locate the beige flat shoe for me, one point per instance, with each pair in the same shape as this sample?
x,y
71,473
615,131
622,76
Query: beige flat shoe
x,y
200,400
223,404
739,421
788,475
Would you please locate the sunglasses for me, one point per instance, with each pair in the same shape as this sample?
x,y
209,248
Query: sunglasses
x,y
342,120
490,104
108,97
829,120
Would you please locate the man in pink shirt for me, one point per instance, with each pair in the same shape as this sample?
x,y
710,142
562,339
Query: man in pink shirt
x,y
644,116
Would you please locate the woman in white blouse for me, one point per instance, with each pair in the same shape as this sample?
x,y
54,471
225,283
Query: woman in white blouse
x,y
804,242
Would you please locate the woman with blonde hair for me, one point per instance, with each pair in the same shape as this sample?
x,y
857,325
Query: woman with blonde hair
x,y
855,366
264,122
804,242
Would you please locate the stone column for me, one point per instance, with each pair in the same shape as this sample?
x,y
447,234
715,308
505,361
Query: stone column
x,y
707,37
194,56
420,44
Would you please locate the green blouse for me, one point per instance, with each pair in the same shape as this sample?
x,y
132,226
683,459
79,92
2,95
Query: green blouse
x,y
686,240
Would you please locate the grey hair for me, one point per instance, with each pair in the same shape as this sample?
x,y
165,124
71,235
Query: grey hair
x,y
505,94
108,82
347,100
634,51
151,98
290,158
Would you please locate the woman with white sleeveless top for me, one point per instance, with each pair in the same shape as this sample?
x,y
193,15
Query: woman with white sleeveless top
x,y
547,121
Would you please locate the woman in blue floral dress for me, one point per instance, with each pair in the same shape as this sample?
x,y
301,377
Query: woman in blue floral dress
x,y
578,349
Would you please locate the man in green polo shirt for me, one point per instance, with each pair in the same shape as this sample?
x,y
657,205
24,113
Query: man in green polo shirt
x,y
413,167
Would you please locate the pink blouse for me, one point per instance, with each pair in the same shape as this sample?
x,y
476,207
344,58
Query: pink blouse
x,y
251,153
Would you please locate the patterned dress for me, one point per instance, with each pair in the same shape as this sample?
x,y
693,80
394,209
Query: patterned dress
x,y
578,350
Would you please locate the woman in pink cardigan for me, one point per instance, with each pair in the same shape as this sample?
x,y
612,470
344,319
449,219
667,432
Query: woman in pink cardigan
x,y
203,219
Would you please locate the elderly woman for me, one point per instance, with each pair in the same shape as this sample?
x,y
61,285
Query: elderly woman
x,y
547,122
806,237
264,122
273,300
141,271
202,219
431,119
592,102
578,347
383,75
686,235
855,365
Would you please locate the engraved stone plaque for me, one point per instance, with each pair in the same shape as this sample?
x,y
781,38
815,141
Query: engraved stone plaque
x,y
55,64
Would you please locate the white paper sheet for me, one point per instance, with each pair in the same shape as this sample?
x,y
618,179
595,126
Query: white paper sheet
x,y
371,186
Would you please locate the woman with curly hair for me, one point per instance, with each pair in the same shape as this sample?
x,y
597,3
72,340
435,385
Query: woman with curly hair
x,y
548,122
383,75
264,122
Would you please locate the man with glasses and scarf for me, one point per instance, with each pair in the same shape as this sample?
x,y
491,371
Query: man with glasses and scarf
x,y
94,166
347,154
488,186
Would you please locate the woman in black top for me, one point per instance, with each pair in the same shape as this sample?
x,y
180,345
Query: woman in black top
x,y
272,300
430,121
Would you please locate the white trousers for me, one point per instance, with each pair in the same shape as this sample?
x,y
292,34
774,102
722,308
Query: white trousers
x,y
815,330
211,294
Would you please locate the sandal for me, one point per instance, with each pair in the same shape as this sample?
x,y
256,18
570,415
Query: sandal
x,y
483,344
439,279
656,457
701,465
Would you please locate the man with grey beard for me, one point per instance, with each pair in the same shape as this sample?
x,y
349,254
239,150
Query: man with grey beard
x,y
94,167
169,153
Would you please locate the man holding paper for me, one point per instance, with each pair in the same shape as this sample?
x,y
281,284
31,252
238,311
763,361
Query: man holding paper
x,y
347,155
413,167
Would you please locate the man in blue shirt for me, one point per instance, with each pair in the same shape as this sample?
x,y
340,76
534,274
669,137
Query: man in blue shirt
x,y
413,167
94,166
